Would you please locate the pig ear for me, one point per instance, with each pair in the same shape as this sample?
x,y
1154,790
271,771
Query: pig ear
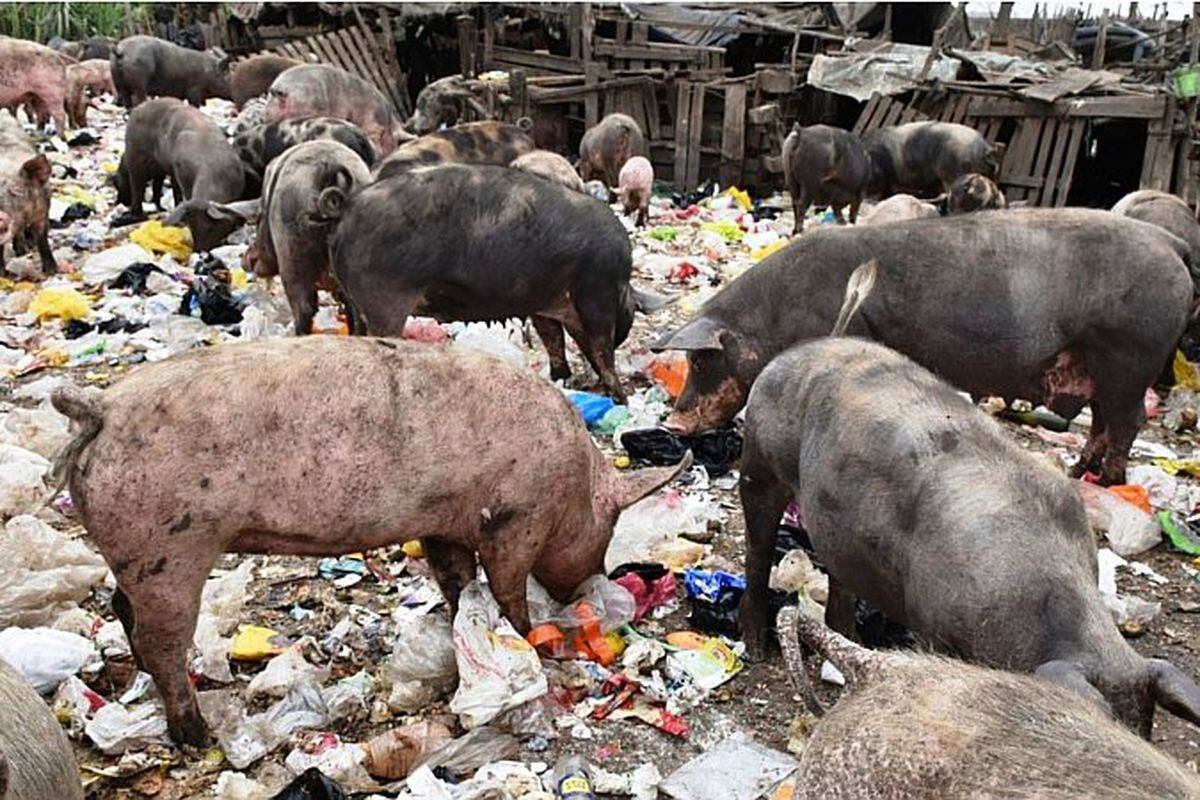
x,y
1070,675
648,302
702,333
36,169
177,213
1174,691
240,211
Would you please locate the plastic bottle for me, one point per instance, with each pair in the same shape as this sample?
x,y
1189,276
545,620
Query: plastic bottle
x,y
573,779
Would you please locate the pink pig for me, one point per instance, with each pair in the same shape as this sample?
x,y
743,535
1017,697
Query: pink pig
x,y
636,182
94,76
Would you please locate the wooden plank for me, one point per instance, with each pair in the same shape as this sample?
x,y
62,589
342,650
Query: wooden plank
x,y
1018,161
653,123
652,51
591,102
683,117
733,135
695,135
1068,173
860,126
375,64
1128,107
465,25
893,114
1049,194
546,61
1042,163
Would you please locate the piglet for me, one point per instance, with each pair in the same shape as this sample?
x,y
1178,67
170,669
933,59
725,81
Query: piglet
x,y
920,727
24,193
636,184
974,192
322,445
936,517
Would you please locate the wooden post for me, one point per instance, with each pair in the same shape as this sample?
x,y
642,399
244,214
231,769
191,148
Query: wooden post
x,y
887,23
587,29
1187,188
1000,27
934,50
591,102
733,135
466,45
519,92
1101,36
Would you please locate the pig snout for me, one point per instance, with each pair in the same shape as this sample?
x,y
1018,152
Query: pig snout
x,y
701,409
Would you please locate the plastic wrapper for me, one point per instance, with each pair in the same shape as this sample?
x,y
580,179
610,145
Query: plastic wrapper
x,y
423,666
75,704
497,668
43,573
283,672
504,341
1129,529
116,729
46,657
22,485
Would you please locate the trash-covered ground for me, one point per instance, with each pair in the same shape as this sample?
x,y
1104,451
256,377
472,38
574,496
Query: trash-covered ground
x,y
351,665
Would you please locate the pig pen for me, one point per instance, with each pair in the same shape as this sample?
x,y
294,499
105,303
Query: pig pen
x,y
101,317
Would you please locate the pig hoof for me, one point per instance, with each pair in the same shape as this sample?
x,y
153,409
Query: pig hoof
x,y
190,730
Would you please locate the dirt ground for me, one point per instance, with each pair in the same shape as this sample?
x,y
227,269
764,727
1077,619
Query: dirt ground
x,y
760,700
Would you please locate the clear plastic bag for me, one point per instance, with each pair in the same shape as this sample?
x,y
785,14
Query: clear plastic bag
x,y
221,607
283,672
116,729
43,574
46,657
423,666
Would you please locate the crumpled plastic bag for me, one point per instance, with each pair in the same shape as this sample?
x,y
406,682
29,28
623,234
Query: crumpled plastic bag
x,y
101,267
42,430
610,603
1129,529
284,671
220,611
22,480
423,666
648,530
247,738
46,657
159,238
75,704
393,754
62,303
116,729
497,668
43,573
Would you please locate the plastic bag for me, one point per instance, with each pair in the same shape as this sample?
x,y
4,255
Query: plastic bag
x,y
236,786
60,303
116,729
46,657
42,430
423,665
43,574
159,238
648,531
348,695
22,488
1159,486
472,750
1129,529
497,668
221,606
312,784
101,267
75,704
503,341
395,753
592,407
340,761
283,672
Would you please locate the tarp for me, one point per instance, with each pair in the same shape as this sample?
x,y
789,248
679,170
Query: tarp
x,y
891,70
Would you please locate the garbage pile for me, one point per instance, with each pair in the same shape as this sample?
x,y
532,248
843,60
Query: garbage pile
x,y
322,678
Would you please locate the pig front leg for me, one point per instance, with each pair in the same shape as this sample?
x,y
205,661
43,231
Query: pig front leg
x,y
508,549
800,204
592,326
764,499
550,331
453,566
42,238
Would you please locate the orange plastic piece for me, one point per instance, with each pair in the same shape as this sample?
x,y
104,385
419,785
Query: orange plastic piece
x,y
548,635
686,640
671,374
1134,494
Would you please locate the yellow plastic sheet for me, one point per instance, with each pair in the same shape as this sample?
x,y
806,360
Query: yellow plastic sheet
x,y
159,238
65,304
1187,376
766,250
741,196
253,643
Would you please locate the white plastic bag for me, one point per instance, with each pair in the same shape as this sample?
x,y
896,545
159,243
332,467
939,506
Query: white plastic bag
x,y
46,657
283,672
220,608
497,668
648,530
43,573
116,729
422,667
22,484
42,430
107,264
75,704
1129,529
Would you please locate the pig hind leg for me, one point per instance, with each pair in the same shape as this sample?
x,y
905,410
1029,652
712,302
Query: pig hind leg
x,y
41,236
508,553
453,565
764,499
800,204
1120,389
593,329
550,331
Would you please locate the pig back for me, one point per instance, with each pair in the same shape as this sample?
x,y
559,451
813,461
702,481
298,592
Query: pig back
x,y
351,434
35,758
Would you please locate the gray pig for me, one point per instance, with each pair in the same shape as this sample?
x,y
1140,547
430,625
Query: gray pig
x,y
919,727
24,193
1167,212
490,243
827,167
36,762
606,146
143,66
938,519
183,460
1064,306
925,158
302,197
168,138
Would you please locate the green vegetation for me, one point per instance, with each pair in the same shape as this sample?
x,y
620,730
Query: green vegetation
x,y
41,21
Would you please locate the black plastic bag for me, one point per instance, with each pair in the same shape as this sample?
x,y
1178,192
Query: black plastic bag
x,y
134,277
312,784
715,450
